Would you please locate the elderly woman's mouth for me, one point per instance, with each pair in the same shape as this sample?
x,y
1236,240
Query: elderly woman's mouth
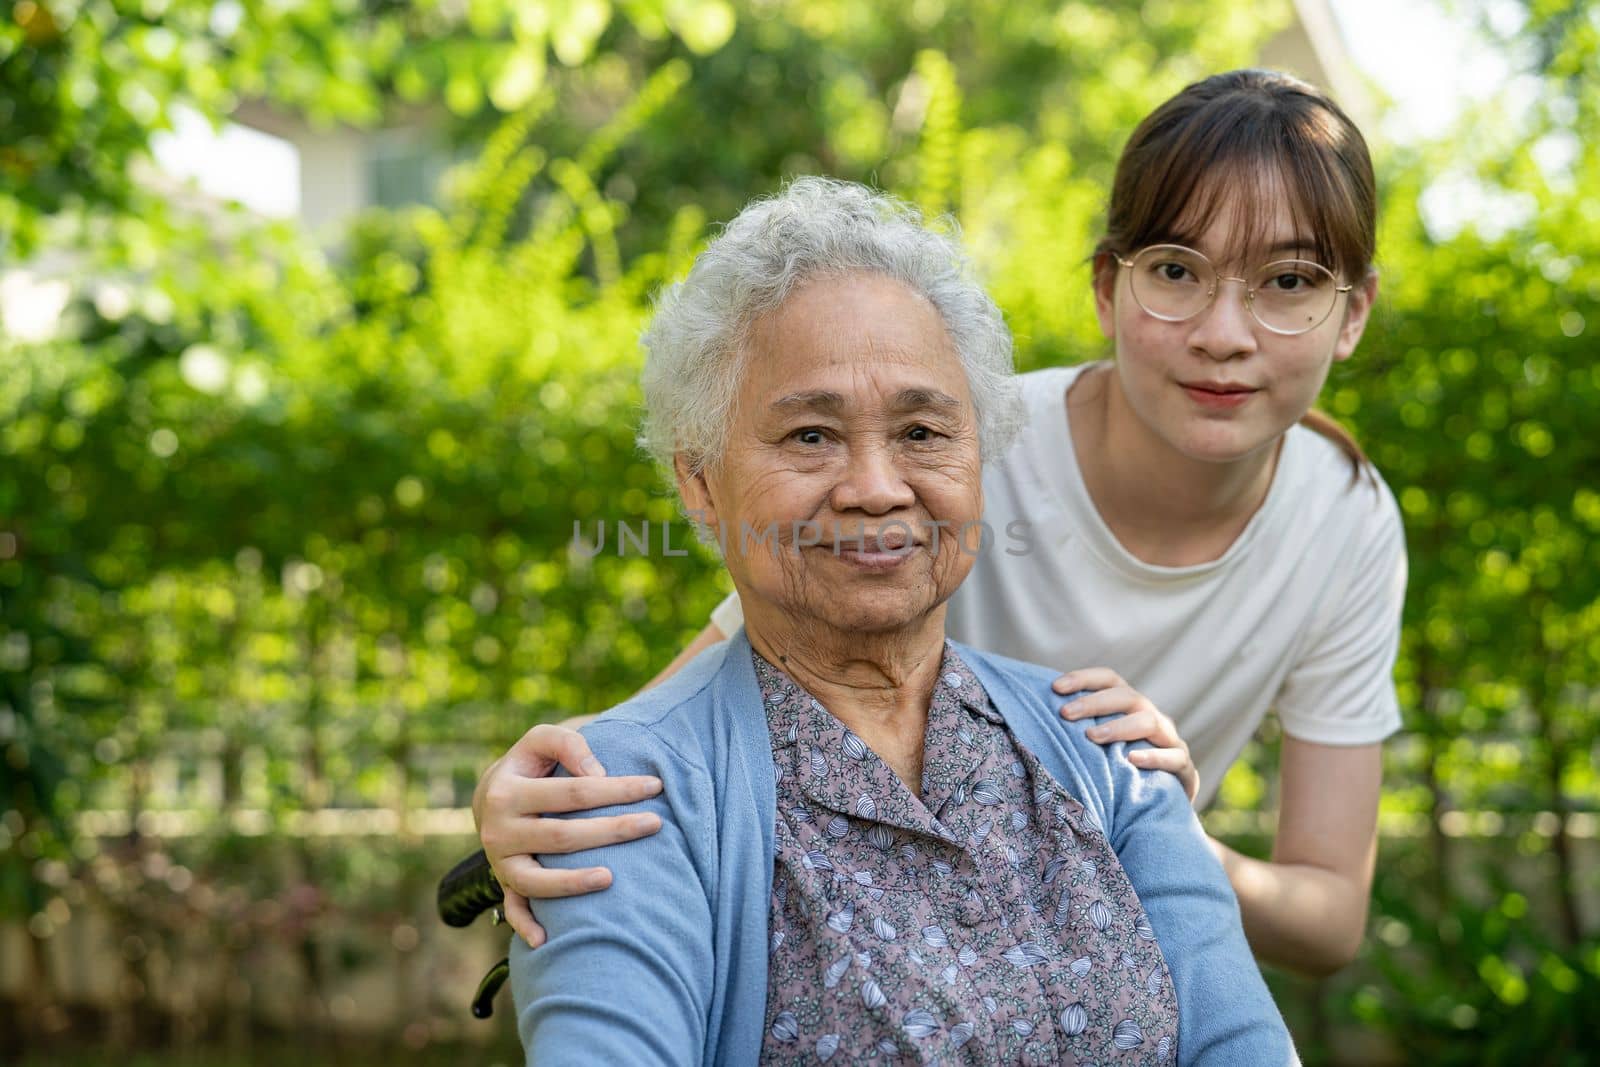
x,y
872,558
881,550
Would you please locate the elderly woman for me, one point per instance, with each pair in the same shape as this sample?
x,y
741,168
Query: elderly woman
x,y
874,842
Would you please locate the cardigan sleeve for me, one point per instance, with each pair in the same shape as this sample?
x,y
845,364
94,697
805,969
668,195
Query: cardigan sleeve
x,y
1225,1013
626,975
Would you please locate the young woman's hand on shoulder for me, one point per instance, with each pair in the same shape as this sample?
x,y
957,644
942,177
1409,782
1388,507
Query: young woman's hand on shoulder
x,y
1104,692
516,795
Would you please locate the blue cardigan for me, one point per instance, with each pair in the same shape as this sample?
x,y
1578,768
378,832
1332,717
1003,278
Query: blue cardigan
x,y
669,965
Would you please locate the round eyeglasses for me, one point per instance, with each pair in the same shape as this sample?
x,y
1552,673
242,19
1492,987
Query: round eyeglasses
x,y
1287,296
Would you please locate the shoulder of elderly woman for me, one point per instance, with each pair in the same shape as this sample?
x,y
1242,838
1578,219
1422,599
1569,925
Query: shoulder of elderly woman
x,y
668,964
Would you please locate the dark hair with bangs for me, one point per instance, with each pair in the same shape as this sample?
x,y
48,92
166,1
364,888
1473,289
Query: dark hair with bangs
x,y
1265,133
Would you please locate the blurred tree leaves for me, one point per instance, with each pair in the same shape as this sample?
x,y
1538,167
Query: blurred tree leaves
x,y
1477,392
84,84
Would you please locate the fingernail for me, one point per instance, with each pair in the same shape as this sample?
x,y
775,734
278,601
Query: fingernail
x,y
591,767
1096,732
652,787
597,880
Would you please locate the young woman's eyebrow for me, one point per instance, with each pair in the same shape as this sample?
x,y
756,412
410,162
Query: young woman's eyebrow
x,y
1277,250
1292,244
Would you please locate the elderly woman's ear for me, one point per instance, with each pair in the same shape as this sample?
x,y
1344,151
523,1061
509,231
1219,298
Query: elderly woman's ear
x,y
694,492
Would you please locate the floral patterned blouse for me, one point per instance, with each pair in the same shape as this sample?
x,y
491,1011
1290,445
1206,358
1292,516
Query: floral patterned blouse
x,y
986,921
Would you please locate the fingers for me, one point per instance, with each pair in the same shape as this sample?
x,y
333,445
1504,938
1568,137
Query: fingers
x,y
1118,700
511,796
539,750
1172,760
536,755
1146,724
524,875
1102,692
569,748
534,835
1175,760
1087,678
520,916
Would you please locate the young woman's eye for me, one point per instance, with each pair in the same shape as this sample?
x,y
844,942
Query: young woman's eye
x,y
1292,282
1171,272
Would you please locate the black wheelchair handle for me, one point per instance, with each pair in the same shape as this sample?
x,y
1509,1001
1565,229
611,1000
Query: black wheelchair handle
x,y
469,890
483,999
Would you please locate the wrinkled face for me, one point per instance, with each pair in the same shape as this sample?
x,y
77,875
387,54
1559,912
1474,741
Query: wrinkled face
x,y
852,465
1220,386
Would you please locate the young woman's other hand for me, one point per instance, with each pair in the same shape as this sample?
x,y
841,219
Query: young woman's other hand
x,y
515,794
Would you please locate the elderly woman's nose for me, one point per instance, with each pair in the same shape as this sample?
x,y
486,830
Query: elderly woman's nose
x,y
1225,329
872,482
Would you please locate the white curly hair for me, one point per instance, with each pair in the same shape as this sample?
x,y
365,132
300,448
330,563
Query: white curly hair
x,y
812,227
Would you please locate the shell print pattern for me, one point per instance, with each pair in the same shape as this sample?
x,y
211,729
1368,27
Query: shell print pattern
x,y
853,746
976,917
784,1028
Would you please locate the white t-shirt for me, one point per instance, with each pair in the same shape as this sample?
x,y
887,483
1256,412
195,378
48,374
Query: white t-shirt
x,y
1301,615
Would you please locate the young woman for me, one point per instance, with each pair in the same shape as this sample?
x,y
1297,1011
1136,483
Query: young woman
x,y
1188,519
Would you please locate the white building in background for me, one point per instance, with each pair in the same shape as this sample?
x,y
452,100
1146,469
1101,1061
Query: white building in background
x,y
1312,47
343,170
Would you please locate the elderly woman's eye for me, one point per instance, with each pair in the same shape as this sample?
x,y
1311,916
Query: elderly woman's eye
x,y
809,436
921,433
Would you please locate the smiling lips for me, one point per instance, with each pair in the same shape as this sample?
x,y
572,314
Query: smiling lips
x,y
1218,396
880,550
883,541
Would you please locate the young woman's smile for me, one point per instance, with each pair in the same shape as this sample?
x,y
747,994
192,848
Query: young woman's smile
x,y
1218,396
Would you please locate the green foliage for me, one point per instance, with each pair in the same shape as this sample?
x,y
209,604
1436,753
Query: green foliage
x,y
307,517
1477,393
85,83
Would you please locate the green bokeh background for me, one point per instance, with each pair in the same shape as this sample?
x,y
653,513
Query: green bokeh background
x,y
330,580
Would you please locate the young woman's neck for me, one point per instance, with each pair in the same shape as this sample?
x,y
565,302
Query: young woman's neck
x,y
1165,508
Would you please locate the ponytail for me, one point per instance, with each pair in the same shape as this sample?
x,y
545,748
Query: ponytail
x,y
1322,423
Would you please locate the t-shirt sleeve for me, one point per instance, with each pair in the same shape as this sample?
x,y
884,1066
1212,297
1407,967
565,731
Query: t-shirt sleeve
x,y
728,616
1341,692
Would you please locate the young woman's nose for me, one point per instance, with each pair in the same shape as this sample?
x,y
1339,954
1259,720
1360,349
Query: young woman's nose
x,y
872,482
1226,329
